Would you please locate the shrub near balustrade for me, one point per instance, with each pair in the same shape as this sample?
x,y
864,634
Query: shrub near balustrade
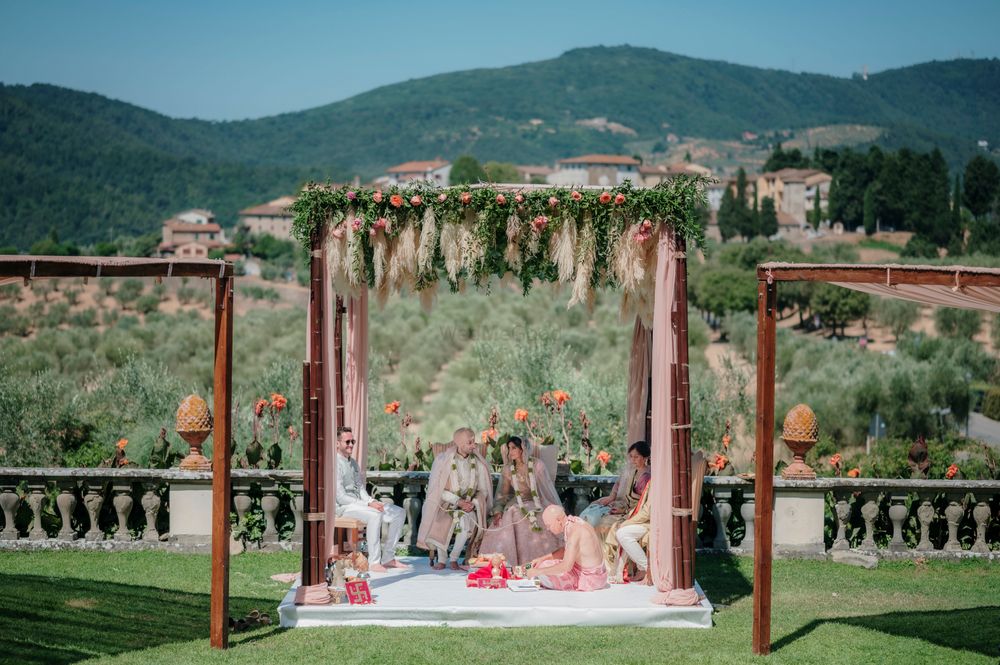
x,y
991,404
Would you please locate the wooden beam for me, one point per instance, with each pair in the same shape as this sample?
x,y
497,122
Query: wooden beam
x,y
686,580
90,266
891,274
764,476
308,469
221,454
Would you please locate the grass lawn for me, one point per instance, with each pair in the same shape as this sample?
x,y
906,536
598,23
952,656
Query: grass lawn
x,y
152,607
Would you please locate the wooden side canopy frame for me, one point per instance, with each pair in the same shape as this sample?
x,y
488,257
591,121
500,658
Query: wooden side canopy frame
x,y
30,267
768,276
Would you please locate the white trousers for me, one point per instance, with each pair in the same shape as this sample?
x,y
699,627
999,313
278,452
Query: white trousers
x,y
394,516
629,537
467,524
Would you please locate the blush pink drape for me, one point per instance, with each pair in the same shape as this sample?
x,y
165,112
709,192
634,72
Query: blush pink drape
x,y
638,383
664,353
356,376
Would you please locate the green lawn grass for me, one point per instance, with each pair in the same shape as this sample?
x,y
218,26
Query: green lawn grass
x,y
152,607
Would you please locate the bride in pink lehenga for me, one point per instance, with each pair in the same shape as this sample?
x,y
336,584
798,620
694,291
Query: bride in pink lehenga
x,y
525,489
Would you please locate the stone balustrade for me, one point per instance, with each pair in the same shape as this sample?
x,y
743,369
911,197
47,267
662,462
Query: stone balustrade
x,y
149,508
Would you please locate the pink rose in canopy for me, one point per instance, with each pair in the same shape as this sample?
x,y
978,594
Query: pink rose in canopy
x,y
442,197
501,199
415,200
466,198
553,202
619,199
519,198
575,195
377,196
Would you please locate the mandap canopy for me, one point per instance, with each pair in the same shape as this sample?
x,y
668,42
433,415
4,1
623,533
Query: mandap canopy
x,y
409,240
950,286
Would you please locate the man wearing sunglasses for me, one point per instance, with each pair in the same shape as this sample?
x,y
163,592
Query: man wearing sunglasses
x,y
353,501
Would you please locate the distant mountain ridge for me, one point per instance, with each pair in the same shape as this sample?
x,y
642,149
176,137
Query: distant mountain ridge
x,y
79,162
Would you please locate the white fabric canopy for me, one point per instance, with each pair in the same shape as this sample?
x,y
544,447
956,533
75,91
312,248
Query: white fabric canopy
x,y
967,297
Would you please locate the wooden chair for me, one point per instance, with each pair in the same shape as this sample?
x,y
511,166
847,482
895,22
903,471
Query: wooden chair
x,y
346,531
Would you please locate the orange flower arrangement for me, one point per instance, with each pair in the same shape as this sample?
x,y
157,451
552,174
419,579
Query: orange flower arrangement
x,y
490,435
396,200
392,407
121,444
854,473
278,401
951,472
604,457
521,415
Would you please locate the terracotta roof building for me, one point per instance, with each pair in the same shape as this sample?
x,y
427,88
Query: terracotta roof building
x,y
272,218
435,171
601,170
190,234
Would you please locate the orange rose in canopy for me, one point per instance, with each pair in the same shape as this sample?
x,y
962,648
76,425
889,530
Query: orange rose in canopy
x,y
278,401
604,457
521,415
392,407
396,200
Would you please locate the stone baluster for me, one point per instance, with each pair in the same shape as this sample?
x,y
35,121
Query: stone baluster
x,y
37,501
384,491
9,501
66,502
981,513
581,499
897,514
953,513
298,508
842,513
925,516
270,503
241,498
151,507
869,512
747,512
122,501
93,501
722,510
413,504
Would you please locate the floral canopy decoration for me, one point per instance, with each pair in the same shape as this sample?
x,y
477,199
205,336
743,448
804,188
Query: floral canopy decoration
x,y
410,238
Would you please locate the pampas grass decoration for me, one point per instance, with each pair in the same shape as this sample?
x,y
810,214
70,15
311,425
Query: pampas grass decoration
x,y
451,249
473,252
562,248
428,241
627,264
586,255
403,259
512,254
337,258
356,254
379,257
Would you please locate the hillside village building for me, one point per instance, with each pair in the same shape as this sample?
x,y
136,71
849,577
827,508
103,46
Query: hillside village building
x,y
794,192
191,234
272,218
654,174
435,171
602,170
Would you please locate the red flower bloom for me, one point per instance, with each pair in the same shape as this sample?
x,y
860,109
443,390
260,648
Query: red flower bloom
x,y
121,444
836,459
521,415
619,199
575,195
258,408
396,200
605,198
720,462
278,401
560,396
392,407
951,472
604,457
854,473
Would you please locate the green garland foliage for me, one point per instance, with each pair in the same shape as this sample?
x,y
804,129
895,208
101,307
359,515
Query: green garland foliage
x,y
377,218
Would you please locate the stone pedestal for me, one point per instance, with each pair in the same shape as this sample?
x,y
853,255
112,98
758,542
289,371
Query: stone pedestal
x,y
191,512
798,520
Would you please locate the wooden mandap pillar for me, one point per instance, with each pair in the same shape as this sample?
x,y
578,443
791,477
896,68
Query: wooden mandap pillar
x,y
221,454
767,291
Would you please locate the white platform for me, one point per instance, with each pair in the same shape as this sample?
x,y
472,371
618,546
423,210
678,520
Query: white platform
x,y
423,597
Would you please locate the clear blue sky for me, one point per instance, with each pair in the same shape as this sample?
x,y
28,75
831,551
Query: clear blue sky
x,y
229,60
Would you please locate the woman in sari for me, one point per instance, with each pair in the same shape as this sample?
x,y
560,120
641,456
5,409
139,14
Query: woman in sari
x,y
525,489
607,512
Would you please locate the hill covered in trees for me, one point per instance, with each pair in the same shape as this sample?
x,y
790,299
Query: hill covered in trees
x,y
90,167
